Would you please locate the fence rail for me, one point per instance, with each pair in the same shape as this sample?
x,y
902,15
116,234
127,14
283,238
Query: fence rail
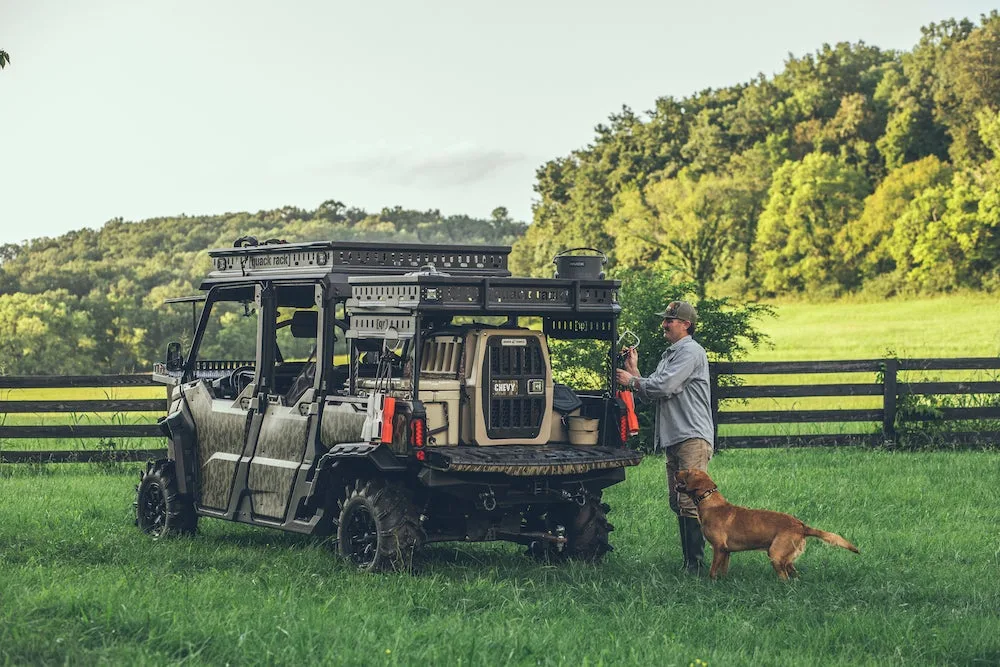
x,y
885,383
107,432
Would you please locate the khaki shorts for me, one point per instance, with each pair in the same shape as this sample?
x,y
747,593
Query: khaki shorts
x,y
694,453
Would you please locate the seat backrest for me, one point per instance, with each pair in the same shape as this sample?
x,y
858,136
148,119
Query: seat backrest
x,y
304,323
302,381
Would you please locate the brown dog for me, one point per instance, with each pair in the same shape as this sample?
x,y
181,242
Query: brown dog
x,y
730,528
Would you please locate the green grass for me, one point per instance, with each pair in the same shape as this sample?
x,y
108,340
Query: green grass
x,y
80,585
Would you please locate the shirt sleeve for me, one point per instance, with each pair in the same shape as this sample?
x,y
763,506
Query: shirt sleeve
x,y
669,378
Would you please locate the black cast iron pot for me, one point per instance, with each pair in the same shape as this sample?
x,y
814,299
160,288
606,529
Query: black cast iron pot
x,y
580,267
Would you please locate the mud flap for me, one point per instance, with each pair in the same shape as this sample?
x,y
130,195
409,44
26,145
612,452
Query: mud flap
x,y
180,433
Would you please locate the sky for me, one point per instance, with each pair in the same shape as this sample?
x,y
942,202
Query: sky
x,y
118,108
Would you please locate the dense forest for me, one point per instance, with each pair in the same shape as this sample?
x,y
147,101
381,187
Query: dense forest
x,y
92,301
854,169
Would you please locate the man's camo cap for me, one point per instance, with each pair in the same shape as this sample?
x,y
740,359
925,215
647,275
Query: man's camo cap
x,y
680,310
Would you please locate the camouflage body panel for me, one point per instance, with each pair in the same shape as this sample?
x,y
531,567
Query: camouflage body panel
x,y
220,428
280,449
341,422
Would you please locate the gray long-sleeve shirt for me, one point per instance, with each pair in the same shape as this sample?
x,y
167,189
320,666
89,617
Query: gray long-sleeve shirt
x,y
681,389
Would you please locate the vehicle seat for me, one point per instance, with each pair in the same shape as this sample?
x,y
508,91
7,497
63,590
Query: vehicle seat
x,y
303,380
304,323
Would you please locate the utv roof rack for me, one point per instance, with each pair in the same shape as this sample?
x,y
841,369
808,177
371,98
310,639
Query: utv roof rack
x,y
319,259
483,295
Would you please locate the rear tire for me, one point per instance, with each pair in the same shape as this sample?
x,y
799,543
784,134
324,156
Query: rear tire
x,y
379,527
160,510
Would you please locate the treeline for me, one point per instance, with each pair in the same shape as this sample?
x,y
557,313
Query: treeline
x,y
852,169
91,301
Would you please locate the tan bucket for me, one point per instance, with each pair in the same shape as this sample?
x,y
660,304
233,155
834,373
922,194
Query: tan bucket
x,y
583,430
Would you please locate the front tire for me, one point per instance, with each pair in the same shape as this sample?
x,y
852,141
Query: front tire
x,y
160,510
379,528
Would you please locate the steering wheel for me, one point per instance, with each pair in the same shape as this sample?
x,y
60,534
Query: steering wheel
x,y
240,377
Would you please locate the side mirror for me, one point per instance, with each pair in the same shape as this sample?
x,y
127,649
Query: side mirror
x,y
175,361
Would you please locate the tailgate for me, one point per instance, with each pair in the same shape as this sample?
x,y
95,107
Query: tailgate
x,y
530,460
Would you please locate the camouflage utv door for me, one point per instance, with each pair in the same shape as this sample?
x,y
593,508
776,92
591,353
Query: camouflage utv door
x,y
221,414
281,447
289,412
221,425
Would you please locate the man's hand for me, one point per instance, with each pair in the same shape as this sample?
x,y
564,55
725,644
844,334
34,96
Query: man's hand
x,y
623,376
631,361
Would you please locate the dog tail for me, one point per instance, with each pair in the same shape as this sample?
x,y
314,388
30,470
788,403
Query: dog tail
x,y
831,538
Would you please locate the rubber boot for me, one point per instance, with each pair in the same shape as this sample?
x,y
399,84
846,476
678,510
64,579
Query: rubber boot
x,y
685,550
693,545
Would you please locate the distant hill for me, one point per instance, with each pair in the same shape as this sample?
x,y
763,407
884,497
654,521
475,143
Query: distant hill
x,y
92,300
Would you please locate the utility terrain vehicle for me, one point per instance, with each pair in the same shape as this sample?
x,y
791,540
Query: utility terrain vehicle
x,y
392,396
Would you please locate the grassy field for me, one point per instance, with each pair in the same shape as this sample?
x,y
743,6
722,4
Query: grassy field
x,y
80,585
946,326
868,330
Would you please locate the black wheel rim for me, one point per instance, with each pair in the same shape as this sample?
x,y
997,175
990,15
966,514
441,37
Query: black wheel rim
x,y
362,537
153,510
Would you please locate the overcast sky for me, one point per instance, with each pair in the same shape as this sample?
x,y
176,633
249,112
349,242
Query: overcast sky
x,y
142,109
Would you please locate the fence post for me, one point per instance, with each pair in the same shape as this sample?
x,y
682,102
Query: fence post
x,y
713,379
891,367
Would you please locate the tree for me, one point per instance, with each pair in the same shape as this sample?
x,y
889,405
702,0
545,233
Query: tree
x,y
4,58
949,236
44,334
925,210
865,240
578,203
686,226
707,149
751,172
118,276
969,82
810,201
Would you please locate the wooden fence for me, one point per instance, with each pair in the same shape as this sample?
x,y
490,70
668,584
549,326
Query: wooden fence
x,y
107,436
884,381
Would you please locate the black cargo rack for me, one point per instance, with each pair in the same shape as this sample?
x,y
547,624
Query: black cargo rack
x,y
484,295
336,260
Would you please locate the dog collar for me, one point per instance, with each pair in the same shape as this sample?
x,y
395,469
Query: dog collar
x,y
704,495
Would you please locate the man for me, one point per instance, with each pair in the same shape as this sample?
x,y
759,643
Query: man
x,y
681,389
